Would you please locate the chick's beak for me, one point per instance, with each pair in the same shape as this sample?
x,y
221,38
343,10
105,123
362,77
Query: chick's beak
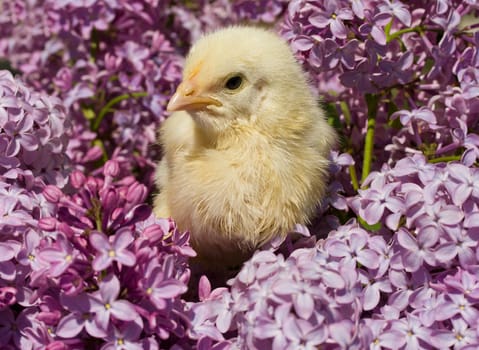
x,y
187,98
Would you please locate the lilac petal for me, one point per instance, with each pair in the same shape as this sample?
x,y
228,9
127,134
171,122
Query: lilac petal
x,y
6,252
7,271
406,240
394,204
126,258
446,252
99,241
319,20
403,15
373,213
266,330
378,35
122,239
472,220
339,29
101,262
392,221
358,8
70,325
341,332
450,217
332,279
338,249
110,288
280,342
461,193
371,297
368,258
412,262
303,305
426,115
171,289
29,142
392,339
467,257
123,310
204,288
52,255
284,286
428,236
102,319
443,339
223,322
302,43
209,331
446,311
344,13
291,329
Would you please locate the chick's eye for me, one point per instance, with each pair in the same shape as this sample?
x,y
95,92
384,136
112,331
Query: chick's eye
x,y
234,82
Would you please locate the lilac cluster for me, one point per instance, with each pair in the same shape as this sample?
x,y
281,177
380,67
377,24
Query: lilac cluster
x,y
411,282
32,147
412,67
33,136
102,270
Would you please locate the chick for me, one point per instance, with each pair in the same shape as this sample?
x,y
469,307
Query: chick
x,y
246,151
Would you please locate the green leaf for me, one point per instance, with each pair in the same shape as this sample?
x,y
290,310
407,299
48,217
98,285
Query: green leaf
x,y
372,228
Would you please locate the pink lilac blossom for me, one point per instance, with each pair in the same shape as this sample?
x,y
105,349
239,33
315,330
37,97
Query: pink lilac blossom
x,y
392,261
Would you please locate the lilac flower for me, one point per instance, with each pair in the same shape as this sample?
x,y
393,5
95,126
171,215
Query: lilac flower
x,y
459,244
463,282
459,305
332,16
460,336
397,9
80,317
112,249
375,201
127,337
104,304
466,180
21,136
374,285
160,287
380,337
277,327
59,256
418,249
354,251
411,330
422,113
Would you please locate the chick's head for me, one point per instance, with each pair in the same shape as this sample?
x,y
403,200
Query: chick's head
x,y
238,75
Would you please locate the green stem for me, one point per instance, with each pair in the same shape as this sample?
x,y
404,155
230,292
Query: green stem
x,y
395,35
444,159
372,102
111,103
354,177
346,112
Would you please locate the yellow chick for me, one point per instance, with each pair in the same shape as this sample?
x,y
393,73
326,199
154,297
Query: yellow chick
x,y
246,151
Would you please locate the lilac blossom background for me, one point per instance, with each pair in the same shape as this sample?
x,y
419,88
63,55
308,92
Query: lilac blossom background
x,y
394,260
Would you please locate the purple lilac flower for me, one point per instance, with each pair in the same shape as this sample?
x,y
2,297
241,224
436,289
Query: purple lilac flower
x,y
113,249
